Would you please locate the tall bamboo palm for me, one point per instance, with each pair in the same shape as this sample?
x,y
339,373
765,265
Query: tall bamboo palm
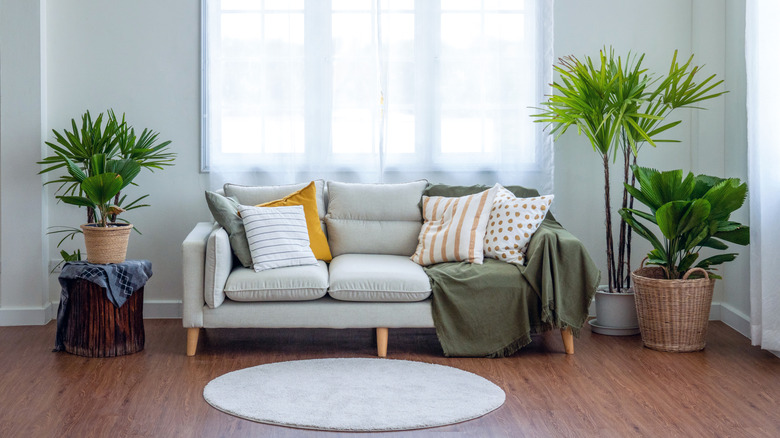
x,y
619,107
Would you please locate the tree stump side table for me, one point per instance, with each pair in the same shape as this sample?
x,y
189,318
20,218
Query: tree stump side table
x,y
97,328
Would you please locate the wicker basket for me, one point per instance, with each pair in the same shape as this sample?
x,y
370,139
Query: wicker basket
x,y
673,314
106,244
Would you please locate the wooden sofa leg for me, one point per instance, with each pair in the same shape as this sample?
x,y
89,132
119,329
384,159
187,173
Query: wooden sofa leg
x,y
568,340
381,341
192,340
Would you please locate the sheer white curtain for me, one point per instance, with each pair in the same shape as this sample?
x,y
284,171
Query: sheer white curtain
x,y
763,95
377,90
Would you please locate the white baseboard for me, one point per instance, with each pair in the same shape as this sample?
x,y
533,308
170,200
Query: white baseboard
x,y
732,317
162,309
171,309
718,312
51,310
17,316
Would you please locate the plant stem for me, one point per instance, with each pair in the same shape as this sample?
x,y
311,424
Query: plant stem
x,y
116,202
608,226
630,230
621,264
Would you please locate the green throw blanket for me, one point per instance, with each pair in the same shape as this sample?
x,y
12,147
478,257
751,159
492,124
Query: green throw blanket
x,y
493,308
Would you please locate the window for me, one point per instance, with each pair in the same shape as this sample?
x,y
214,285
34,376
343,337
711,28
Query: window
x,y
371,88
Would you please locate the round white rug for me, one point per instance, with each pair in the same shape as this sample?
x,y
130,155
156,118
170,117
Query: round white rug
x,y
354,394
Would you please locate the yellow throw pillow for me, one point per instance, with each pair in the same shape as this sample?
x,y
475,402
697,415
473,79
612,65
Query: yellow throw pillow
x,y
307,197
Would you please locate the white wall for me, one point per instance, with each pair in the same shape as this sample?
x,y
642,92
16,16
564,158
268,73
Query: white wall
x,y
712,141
142,58
23,297
736,275
583,28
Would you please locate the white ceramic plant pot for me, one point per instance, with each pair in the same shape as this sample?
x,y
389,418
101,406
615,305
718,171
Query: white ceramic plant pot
x,y
615,313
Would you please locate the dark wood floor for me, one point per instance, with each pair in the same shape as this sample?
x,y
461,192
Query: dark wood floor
x,y
611,386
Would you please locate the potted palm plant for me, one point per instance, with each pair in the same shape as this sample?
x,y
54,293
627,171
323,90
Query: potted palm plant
x,y
106,241
674,295
620,107
93,156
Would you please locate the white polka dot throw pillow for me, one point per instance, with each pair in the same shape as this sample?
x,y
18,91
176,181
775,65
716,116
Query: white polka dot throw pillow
x,y
512,223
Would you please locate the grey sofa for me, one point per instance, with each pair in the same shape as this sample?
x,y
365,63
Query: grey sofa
x,y
370,283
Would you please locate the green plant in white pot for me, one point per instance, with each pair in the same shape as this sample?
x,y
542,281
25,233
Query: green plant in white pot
x,y
619,107
692,214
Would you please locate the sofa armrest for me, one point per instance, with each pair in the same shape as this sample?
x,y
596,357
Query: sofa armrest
x,y
219,264
193,273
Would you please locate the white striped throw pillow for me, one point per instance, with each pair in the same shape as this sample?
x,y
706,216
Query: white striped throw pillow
x,y
277,236
454,228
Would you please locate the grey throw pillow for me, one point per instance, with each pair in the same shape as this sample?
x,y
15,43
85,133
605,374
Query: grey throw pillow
x,y
225,212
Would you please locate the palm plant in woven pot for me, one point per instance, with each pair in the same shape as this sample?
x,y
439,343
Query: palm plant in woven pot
x,y
674,295
102,157
106,241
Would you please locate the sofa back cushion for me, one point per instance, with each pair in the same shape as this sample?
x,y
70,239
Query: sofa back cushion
x,y
374,218
256,195
456,191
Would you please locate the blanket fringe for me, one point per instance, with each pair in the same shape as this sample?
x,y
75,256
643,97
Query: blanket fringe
x,y
512,348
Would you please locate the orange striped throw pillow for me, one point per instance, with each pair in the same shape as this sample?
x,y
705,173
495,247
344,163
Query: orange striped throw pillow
x,y
454,228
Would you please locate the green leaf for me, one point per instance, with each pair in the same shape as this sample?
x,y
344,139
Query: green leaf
x,y
71,257
714,243
663,128
79,201
641,229
74,170
695,237
670,185
640,197
97,164
646,216
728,226
687,261
101,189
703,184
716,260
677,217
726,197
649,197
740,236
128,169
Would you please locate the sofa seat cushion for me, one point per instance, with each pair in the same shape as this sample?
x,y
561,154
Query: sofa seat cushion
x,y
294,283
377,277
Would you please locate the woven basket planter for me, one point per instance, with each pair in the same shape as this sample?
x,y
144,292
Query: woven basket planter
x,y
673,314
106,244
